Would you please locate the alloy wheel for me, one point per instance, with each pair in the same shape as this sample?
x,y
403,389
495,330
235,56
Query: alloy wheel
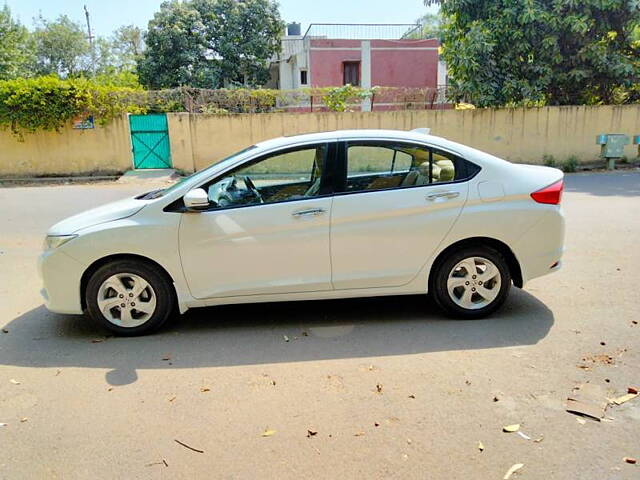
x,y
126,300
474,283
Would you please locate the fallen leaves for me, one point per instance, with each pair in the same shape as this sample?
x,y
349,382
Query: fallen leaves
x,y
205,389
311,433
379,388
14,381
23,419
630,460
481,446
511,428
514,468
268,433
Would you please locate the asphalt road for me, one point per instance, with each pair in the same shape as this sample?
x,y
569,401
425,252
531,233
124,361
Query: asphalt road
x,y
392,388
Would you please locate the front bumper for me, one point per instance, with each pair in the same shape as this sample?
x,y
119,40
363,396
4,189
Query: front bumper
x,y
61,276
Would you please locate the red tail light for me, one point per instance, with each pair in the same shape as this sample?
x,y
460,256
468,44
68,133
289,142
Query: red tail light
x,y
551,194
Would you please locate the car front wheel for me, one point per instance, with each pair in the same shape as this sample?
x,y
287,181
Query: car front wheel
x,y
471,282
130,297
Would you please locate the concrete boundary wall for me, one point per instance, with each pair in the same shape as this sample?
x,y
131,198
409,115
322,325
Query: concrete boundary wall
x,y
519,135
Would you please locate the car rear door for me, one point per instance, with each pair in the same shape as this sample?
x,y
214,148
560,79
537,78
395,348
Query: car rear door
x,y
277,244
384,228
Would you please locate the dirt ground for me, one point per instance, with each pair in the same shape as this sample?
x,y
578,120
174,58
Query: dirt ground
x,y
369,388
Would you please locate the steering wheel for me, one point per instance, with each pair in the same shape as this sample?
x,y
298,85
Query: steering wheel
x,y
249,183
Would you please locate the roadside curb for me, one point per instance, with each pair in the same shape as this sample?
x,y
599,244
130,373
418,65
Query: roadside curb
x,y
56,180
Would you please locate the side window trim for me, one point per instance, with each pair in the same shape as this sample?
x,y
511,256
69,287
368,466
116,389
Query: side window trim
x,y
342,164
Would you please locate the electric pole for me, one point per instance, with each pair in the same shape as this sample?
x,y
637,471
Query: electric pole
x,y
90,37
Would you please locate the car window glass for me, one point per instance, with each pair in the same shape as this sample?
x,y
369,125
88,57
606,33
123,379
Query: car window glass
x,y
291,175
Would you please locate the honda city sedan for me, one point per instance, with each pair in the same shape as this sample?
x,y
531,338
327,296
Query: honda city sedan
x,y
340,214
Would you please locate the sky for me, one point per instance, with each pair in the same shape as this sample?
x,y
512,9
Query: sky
x,y
107,15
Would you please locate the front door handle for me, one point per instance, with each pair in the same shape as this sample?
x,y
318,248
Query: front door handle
x,y
311,212
448,194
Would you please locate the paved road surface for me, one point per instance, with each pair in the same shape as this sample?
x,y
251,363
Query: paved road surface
x,y
219,377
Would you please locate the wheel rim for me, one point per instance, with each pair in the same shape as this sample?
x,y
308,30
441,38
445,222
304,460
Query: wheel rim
x,y
126,300
474,283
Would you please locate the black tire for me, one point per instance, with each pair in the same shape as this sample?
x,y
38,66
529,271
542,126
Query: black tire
x,y
440,292
162,287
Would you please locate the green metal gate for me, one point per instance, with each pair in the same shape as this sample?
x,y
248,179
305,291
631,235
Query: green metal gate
x,y
150,141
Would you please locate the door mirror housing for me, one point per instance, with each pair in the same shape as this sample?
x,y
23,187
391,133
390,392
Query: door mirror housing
x,y
196,200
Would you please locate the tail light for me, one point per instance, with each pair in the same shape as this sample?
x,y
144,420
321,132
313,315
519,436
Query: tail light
x,y
551,194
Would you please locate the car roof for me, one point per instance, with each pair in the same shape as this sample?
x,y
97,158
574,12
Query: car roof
x,y
411,136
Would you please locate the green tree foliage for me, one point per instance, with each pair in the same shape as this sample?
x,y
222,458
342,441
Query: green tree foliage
x,y
16,49
61,46
524,52
210,43
127,44
430,27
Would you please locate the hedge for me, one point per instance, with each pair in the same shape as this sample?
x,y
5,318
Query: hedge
x,y
49,103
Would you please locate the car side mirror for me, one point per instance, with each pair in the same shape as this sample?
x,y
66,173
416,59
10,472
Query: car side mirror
x,y
196,200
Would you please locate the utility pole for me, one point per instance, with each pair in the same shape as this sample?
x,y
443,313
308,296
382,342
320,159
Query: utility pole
x,y
90,37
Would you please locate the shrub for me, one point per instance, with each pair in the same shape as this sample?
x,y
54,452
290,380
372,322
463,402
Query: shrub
x,y
549,160
570,164
48,103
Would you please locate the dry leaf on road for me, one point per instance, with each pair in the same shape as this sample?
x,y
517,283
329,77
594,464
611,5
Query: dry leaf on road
x,y
511,428
514,468
268,433
481,446
624,398
14,381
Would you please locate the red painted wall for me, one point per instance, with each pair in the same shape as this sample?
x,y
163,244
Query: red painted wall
x,y
392,64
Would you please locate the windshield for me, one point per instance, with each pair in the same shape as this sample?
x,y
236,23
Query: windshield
x,y
201,173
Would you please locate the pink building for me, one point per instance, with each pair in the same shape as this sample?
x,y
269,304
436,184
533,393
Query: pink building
x,y
334,55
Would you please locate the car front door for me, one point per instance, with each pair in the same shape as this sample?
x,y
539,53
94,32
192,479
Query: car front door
x,y
394,204
266,230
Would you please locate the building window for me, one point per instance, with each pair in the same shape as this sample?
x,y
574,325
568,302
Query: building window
x,y
351,73
304,80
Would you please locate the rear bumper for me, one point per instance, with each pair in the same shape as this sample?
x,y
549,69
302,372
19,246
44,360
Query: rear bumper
x,y
61,277
540,250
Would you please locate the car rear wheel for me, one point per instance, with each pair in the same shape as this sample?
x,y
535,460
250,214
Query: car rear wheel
x,y
471,282
130,297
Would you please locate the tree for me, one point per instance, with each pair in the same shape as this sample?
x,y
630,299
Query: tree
x,y
127,45
560,52
61,47
210,43
16,48
430,27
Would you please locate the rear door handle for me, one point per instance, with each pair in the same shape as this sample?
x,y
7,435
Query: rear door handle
x,y
448,194
311,212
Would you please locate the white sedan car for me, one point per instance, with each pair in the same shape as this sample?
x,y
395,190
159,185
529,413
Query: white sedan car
x,y
341,214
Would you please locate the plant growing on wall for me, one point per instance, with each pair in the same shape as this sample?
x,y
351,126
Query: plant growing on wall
x,y
48,103
338,99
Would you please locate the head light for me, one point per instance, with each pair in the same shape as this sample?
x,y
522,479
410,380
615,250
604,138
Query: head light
x,y
54,241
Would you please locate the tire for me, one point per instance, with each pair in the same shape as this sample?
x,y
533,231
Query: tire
x,y
125,282
464,294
